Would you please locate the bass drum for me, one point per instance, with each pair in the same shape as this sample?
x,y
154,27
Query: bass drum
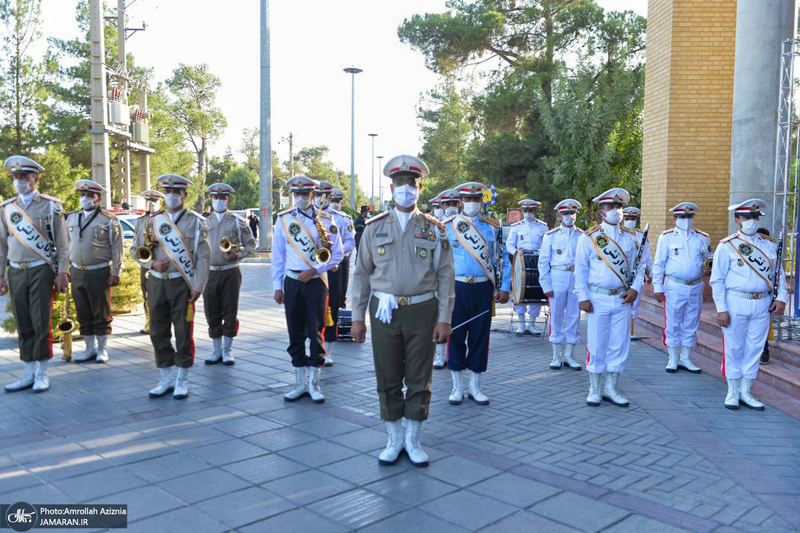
x,y
525,282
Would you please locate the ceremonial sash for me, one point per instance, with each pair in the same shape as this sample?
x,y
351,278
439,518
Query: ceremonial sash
x,y
474,243
27,233
173,243
753,257
608,249
304,244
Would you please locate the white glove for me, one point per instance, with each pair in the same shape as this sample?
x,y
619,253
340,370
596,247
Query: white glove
x,y
386,304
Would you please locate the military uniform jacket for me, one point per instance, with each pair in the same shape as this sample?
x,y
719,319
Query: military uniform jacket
x,y
94,238
40,209
591,269
464,262
195,233
526,236
344,225
233,227
404,263
680,254
558,249
286,257
730,272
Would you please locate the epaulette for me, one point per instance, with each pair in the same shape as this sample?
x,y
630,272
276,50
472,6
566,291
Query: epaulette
x,y
729,237
767,237
632,232
517,223
552,231
435,221
670,230
579,230
540,221
285,211
195,213
6,202
154,213
323,214
377,217
51,198
703,233
112,216
448,219
240,218
492,222
65,215
592,229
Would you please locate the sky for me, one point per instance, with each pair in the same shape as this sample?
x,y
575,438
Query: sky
x,y
311,42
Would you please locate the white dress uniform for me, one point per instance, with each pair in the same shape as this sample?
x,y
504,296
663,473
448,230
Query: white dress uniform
x,y
741,278
609,325
677,272
557,275
526,236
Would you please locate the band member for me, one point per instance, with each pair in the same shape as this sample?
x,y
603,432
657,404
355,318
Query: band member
x,y
743,281
95,255
153,198
606,254
337,200
630,219
304,250
449,203
682,256
230,241
472,238
33,239
178,258
557,278
404,274
527,235
436,208
323,193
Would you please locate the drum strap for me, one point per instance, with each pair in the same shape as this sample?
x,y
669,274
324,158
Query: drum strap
x,y
608,249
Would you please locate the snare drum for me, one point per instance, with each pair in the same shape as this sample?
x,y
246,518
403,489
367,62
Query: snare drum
x,y
525,282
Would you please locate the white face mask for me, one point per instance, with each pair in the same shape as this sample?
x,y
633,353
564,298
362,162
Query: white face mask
x,y
450,211
568,220
173,199
472,208
302,202
86,203
529,217
336,205
684,223
405,195
749,226
22,186
219,205
438,212
630,224
614,216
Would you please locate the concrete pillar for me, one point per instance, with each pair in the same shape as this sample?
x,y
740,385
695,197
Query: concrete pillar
x,y
761,27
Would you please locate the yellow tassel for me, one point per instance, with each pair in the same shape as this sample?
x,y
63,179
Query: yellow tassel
x,y
328,318
189,313
494,308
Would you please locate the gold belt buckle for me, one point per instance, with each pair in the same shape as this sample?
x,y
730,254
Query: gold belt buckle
x,y
23,266
81,267
470,279
570,268
402,301
754,296
614,292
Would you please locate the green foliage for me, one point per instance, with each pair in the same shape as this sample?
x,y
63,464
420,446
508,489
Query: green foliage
x,y
245,182
127,296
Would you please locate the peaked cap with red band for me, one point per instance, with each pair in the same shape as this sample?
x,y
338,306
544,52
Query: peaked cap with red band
x,y
613,196
220,188
406,164
753,206
173,181
448,195
89,186
632,212
337,195
301,183
568,206
151,195
324,187
19,164
685,208
529,204
470,189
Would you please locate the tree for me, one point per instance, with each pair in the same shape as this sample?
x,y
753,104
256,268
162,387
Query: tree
x,y
194,89
245,182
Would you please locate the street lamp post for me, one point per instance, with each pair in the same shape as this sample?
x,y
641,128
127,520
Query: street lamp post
x,y
372,164
380,187
353,71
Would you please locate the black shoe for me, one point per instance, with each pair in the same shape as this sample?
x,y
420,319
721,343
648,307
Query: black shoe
x,y
765,358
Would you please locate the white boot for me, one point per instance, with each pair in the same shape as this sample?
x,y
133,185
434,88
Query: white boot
x,y
395,444
181,391
569,358
41,382
745,398
457,394
216,355
102,354
89,353
672,365
313,385
594,389
521,328
327,359
610,392
413,449
300,385
732,399
685,361
555,364
440,359
475,389
227,357
532,329
26,381
164,385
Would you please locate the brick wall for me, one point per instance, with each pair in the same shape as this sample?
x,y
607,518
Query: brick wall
x,y
688,112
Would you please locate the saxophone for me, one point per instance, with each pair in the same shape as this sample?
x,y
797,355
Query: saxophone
x,y
323,254
144,254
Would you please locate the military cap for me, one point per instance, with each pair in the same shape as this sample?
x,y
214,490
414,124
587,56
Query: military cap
x,y
448,195
337,195
685,208
173,181
220,188
301,183
753,206
89,186
19,164
323,187
616,195
632,212
529,204
405,164
568,206
151,195
470,189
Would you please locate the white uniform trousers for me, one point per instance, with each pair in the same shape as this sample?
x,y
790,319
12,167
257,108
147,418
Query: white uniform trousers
x,y
532,309
682,307
635,306
608,329
743,341
565,316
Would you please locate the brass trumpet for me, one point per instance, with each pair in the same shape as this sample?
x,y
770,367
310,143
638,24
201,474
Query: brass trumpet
x,y
225,245
144,254
65,327
707,264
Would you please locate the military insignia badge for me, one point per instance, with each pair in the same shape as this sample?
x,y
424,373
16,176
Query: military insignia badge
x,y
745,249
753,208
404,166
334,229
164,229
246,231
676,251
423,253
381,250
15,217
462,227
350,228
740,262
204,233
455,244
522,237
558,252
445,245
294,230
602,242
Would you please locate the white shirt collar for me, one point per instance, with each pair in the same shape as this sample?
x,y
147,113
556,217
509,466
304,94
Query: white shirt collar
x,y
26,198
403,218
220,216
609,228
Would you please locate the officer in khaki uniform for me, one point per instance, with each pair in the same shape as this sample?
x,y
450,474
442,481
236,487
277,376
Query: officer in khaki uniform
x,y
95,255
31,225
153,199
404,273
179,261
221,297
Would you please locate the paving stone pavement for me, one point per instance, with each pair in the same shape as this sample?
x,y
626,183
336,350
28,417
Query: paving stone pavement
x,y
235,457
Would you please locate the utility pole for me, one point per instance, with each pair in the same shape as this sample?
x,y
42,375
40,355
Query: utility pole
x,y
372,165
265,147
380,188
290,140
99,103
353,71
124,189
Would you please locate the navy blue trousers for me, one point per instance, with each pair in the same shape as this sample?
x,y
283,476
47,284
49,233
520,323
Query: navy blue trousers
x,y
468,346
